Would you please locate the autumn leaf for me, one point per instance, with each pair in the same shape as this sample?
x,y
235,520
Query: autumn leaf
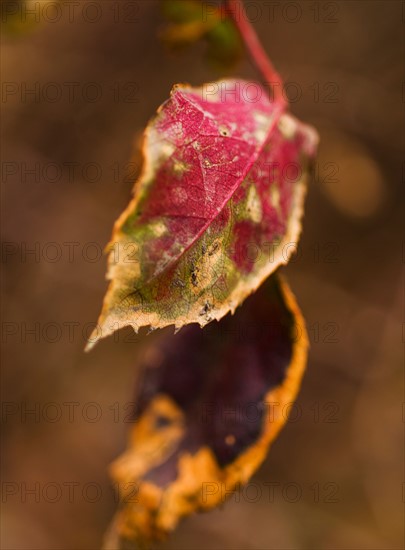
x,y
216,210
210,403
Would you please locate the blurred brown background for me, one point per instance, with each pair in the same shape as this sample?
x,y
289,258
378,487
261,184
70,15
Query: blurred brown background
x,y
96,74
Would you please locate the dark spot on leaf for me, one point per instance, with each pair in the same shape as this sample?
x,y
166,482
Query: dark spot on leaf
x,y
162,422
206,308
213,249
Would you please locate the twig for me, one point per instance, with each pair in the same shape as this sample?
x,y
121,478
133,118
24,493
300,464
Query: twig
x,y
236,10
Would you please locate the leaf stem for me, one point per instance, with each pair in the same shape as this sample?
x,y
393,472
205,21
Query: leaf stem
x,y
236,10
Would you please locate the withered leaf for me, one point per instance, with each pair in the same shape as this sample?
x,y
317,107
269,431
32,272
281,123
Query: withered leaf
x,y
210,403
215,210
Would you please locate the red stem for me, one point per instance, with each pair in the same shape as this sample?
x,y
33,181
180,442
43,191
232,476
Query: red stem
x,y
236,10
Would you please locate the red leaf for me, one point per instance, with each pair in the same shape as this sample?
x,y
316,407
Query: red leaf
x,y
224,176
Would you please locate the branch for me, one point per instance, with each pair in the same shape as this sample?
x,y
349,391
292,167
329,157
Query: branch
x,y
236,11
